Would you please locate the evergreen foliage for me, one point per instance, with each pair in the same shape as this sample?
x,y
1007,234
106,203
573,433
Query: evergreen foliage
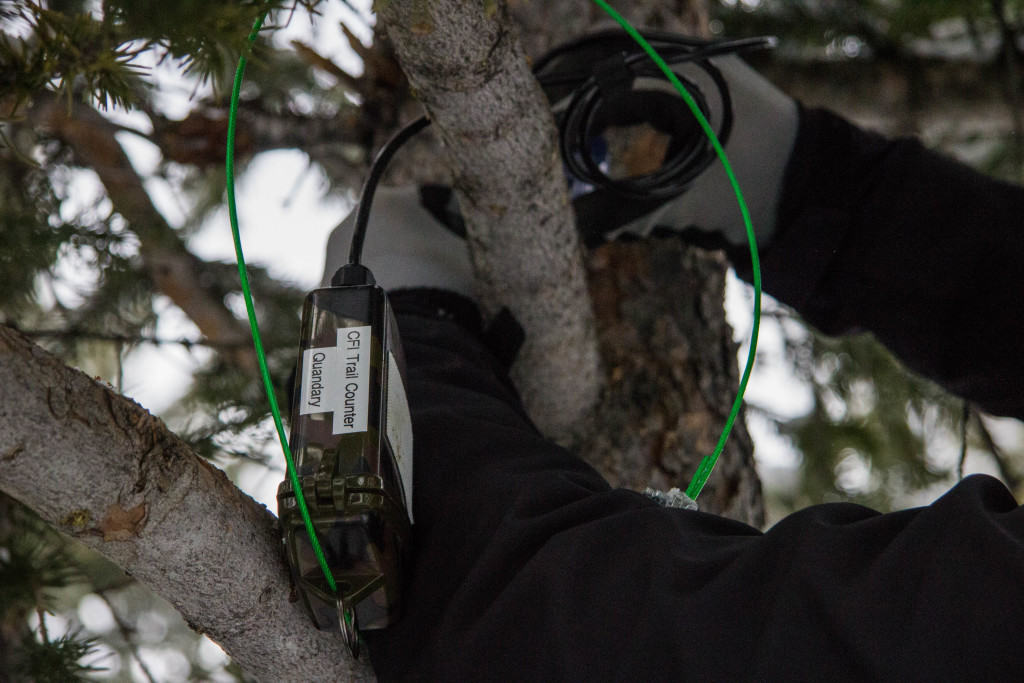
x,y
31,239
868,435
70,48
54,661
34,566
52,245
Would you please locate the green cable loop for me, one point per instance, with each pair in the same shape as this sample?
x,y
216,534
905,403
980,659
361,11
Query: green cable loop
x,y
229,172
707,463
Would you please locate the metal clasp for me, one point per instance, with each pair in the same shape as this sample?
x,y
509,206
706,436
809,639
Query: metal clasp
x,y
349,627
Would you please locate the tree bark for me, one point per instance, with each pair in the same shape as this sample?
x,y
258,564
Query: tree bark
x,y
100,468
672,375
666,345
465,64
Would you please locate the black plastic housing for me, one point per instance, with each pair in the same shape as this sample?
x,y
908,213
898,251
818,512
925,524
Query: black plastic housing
x,y
351,438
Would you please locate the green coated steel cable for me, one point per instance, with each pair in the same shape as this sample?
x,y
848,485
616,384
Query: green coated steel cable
x,y
229,172
707,463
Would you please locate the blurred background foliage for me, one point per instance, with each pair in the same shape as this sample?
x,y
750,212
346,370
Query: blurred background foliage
x,y
83,281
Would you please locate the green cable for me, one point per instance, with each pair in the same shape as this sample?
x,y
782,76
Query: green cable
x,y
707,463
229,172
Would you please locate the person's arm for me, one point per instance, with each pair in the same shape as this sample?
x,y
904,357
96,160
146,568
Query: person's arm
x,y
859,232
886,236
528,567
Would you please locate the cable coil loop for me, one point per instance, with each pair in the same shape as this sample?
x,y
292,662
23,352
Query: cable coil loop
x,y
606,79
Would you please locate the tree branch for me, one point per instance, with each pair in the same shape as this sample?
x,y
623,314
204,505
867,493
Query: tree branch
x,y
101,469
199,138
127,635
467,68
315,59
175,270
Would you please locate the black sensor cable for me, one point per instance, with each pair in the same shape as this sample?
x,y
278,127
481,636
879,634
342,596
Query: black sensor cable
x,y
603,75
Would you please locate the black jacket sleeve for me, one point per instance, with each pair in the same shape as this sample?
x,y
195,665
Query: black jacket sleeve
x,y
529,567
885,236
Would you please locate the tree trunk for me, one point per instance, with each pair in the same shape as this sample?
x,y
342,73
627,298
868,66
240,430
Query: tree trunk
x,y
669,358
100,468
670,368
672,375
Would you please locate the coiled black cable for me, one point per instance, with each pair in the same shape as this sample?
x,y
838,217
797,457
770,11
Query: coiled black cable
x,y
589,72
600,72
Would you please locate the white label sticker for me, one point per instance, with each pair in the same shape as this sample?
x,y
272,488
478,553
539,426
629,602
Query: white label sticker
x,y
399,429
337,380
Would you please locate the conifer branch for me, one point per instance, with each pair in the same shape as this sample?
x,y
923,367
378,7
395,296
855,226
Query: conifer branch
x,y
175,271
100,468
317,60
74,333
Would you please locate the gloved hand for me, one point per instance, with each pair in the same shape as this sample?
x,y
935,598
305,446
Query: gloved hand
x,y
763,134
406,245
